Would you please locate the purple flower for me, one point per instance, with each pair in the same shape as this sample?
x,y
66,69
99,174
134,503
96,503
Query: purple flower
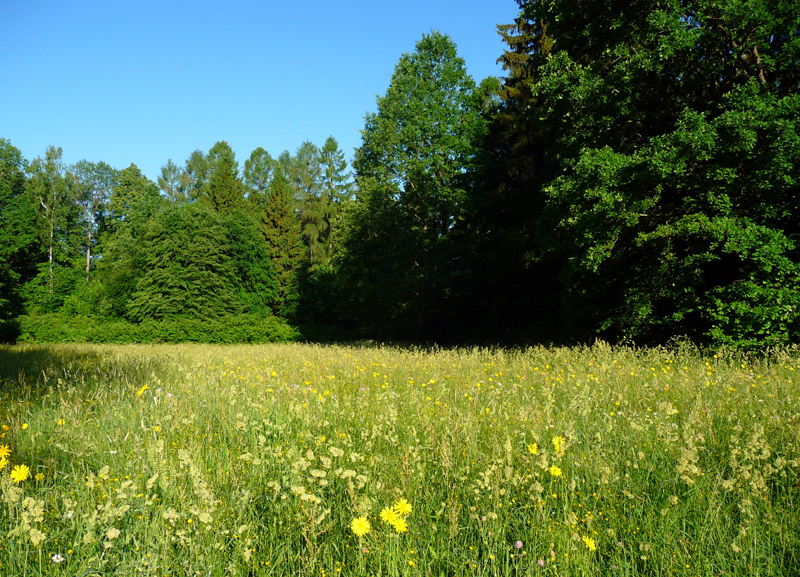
x,y
518,544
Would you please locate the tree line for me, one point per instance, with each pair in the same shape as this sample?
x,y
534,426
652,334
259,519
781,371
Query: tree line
x,y
633,177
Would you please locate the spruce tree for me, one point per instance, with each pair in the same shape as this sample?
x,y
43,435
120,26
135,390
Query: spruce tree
x,y
284,242
225,191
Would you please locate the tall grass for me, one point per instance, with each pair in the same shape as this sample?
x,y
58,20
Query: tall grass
x,y
234,460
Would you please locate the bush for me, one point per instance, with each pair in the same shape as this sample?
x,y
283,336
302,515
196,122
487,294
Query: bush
x,y
250,328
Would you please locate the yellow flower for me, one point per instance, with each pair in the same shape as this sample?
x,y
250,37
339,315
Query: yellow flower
x,y
590,543
24,426
156,428
3,463
557,441
20,473
5,451
403,507
141,391
411,562
360,526
555,471
400,525
39,476
60,422
533,449
389,515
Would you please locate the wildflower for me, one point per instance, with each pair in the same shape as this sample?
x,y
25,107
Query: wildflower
x,y
411,562
20,473
518,544
24,426
389,515
590,543
541,562
3,463
5,451
533,449
400,525
555,471
557,441
403,507
141,391
360,526
58,558
60,422
39,476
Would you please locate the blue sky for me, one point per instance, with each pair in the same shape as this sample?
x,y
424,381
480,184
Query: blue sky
x,y
143,82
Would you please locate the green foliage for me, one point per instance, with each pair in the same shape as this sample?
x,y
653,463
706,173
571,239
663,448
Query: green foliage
x,y
225,190
400,248
90,186
284,242
258,172
48,192
133,200
19,247
241,328
670,167
187,270
257,281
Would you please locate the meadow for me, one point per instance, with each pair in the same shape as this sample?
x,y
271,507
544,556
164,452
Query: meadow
x,y
330,460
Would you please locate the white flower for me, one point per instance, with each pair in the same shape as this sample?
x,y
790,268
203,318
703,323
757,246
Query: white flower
x,y
58,558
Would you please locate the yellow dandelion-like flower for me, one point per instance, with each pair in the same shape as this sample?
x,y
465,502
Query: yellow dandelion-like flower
x,y
403,507
141,391
590,543
39,476
360,526
3,463
5,451
20,473
389,515
400,525
60,422
555,471
533,449
24,426
557,442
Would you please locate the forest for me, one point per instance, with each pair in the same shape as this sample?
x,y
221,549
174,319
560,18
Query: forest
x,y
634,177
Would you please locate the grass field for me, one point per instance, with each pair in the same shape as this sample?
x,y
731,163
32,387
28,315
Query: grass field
x,y
324,461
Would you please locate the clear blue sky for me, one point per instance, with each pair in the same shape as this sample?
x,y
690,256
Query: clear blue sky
x,y
142,82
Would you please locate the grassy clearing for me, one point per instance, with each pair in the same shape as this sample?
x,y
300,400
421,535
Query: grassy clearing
x,y
211,460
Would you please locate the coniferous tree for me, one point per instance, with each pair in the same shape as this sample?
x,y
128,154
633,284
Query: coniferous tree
x,y
225,190
258,172
284,242
337,189
173,182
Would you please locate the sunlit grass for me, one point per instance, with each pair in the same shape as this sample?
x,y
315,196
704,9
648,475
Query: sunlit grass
x,y
203,460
